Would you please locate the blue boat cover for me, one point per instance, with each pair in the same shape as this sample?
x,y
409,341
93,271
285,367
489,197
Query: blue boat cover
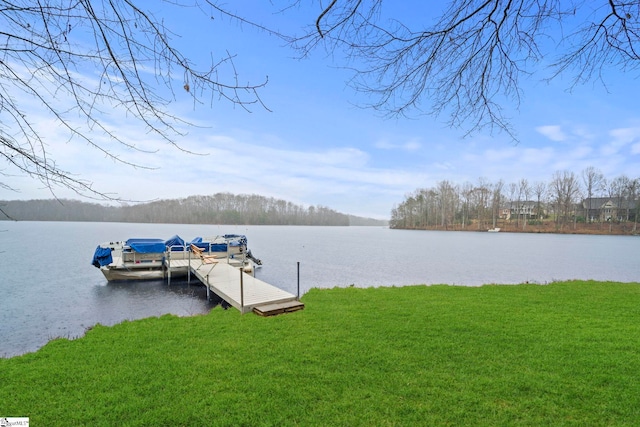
x,y
218,247
146,246
236,239
102,256
175,243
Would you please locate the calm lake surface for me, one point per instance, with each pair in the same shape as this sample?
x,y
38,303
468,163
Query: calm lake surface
x,y
49,288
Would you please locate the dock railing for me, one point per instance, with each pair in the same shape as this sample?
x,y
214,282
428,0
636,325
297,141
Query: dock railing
x,y
209,247
169,250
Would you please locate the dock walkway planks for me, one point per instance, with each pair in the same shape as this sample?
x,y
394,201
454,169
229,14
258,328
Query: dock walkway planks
x,y
224,280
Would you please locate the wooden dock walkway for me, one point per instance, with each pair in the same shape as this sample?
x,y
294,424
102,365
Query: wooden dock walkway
x,y
240,289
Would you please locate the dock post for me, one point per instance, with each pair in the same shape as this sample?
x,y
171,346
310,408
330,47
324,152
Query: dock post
x,y
298,297
169,267
241,293
189,270
208,290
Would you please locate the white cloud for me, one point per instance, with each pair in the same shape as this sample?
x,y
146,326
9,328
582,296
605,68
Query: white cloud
x,y
339,177
620,138
553,132
538,156
494,155
411,145
444,166
384,144
624,136
581,152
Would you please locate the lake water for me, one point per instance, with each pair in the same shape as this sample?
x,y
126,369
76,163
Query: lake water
x,y
49,289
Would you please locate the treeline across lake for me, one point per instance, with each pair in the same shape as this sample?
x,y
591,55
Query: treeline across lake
x,y
568,201
221,208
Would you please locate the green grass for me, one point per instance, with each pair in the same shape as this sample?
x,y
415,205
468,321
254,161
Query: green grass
x,y
531,355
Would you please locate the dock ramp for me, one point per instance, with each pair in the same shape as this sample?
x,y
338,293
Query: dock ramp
x,y
242,290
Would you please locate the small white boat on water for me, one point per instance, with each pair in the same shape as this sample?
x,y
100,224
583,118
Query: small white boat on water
x,y
153,259
493,230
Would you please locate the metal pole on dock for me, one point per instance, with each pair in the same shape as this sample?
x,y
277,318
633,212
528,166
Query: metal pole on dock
x,y
189,270
241,293
168,267
298,298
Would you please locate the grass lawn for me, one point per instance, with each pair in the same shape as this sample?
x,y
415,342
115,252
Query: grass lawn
x,y
559,354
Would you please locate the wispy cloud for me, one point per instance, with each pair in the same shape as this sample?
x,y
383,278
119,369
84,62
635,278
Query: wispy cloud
x,y
625,136
410,145
553,132
620,138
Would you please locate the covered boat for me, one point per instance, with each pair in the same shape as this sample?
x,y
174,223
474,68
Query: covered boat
x,y
146,259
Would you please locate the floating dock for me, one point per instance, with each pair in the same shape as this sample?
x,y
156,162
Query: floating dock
x,y
240,289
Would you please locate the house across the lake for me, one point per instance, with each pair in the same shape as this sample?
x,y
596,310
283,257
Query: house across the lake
x,y
592,209
524,209
596,209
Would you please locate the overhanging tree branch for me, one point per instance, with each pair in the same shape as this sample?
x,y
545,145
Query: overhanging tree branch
x,y
80,59
468,65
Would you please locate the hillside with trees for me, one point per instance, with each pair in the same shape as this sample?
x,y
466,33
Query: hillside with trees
x,y
586,202
220,208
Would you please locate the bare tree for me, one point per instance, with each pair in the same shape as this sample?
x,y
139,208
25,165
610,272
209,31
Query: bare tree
x,y
620,186
539,189
634,185
513,190
469,62
95,56
564,189
630,189
481,194
466,193
448,202
594,182
524,190
496,201
610,212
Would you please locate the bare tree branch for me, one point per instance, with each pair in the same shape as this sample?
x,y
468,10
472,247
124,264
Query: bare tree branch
x,y
469,64
99,56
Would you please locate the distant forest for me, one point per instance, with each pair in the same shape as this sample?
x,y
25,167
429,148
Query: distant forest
x,y
221,208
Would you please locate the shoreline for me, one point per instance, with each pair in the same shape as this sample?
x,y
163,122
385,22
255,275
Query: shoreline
x,y
602,229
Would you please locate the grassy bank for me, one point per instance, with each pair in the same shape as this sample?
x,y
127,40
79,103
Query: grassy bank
x,y
561,354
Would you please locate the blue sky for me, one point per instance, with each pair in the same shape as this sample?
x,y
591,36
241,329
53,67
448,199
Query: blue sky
x,y
318,147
